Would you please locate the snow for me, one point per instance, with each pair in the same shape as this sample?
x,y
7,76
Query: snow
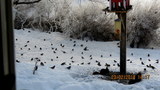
x,y
79,77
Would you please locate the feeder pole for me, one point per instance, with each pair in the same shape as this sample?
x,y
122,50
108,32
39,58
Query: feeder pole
x,y
122,17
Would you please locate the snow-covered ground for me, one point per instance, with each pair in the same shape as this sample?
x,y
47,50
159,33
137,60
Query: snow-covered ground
x,y
79,76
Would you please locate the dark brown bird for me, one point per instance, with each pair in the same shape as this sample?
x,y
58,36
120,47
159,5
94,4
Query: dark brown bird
x,y
82,57
53,67
81,45
27,41
107,65
85,49
140,58
148,55
74,45
69,67
110,55
71,58
40,48
82,63
63,63
17,61
115,61
142,63
101,56
157,61
132,54
118,64
99,64
42,64
149,60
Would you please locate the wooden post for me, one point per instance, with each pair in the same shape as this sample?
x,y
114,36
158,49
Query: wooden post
x,y
122,16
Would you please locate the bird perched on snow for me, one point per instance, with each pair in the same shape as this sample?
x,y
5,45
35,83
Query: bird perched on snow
x,y
85,49
148,55
53,67
42,64
69,67
142,63
17,61
63,63
99,64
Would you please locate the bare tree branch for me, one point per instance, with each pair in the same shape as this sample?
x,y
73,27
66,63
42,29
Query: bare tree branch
x,y
30,2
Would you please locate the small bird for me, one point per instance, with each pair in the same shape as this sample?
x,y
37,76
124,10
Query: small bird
x,y
89,63
148,55
74,45
115,61
52,48
72,61
81,45
110,55
99,64
17,61
81,52
63,63
118,64
35,46
27,41
142,63
91,58
31,59
145,69
57,57
107,65
132,54
74,41
29,31
82,63
16,39
70,39
54,51
64,52
51,59
29,49
25,45
40,48
157,61
130,61
101,56
85,49
82,57
44,39
21,54
149,60
51,44
41,54
53,67
90,55
113,64
69,67
140,58
72,49
42,64
71,58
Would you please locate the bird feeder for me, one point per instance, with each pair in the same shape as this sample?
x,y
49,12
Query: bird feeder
x,y
119,5
117,29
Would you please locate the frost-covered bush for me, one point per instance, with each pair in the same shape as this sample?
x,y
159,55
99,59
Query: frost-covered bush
x,y
88,21
143,22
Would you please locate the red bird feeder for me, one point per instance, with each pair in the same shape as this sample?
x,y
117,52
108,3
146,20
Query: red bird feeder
x,y
119,5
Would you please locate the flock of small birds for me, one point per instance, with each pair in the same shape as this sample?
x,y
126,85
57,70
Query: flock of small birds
x,y
68,65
